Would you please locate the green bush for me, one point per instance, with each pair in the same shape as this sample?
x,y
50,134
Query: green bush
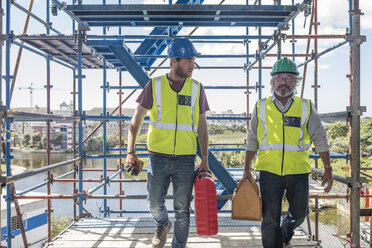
x,y
338,129
339,144
228,132
59,223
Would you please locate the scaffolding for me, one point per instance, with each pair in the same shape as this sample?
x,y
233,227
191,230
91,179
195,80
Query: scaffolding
x,y
84,51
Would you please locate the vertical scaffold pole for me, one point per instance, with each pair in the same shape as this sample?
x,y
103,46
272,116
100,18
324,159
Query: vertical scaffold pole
x,y
1,53
120,142
293,40
279,42
316,86
1,74
120,134
80,108
48,148
350,76
74,124
104,128
74,140
356,111
259,62
307,52
315,52
247,72
7,128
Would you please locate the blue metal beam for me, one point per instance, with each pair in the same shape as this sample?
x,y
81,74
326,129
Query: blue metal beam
x,y
184,15
62,6
190,37
156,47
220,172
125,56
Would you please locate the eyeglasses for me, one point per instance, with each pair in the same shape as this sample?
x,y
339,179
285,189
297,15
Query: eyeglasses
x,y
288,79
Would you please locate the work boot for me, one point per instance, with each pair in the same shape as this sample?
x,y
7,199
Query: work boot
x,y
160,236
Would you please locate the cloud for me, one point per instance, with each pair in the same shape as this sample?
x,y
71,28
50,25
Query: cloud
x,y
324,66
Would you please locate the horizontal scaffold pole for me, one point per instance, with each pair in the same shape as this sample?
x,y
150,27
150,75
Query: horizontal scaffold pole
x,y
62,6
323,52
91,191
44,183
127,118
26,174
215,37
205,87
195,38
261,56
42,54
144,197
191,37
233,56
20,7
47,117
337,178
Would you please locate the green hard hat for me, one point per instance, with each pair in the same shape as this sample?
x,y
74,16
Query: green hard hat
x,y
284,65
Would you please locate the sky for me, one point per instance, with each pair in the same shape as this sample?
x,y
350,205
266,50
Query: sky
x,y
333,67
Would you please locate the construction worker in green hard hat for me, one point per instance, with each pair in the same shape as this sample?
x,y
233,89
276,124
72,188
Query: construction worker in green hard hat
x,y
177,105
281,129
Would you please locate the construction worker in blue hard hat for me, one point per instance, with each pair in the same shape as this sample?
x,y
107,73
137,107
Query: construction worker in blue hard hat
x,y
178,106
281,129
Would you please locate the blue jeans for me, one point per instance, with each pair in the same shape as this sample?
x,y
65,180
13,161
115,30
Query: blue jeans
x,y
181,169
273,187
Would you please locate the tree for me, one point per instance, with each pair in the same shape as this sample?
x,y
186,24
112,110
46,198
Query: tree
x,y
57,139
338,129
15,136
366,136
113,140
26,139
36,140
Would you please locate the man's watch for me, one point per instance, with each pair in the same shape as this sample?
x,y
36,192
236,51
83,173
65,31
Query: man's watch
x,y
132,152
328,166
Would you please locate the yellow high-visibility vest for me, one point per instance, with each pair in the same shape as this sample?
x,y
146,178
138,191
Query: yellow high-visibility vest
x,y
284,141
174,117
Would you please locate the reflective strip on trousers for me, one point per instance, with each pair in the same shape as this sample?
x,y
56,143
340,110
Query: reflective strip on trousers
x,y
292,148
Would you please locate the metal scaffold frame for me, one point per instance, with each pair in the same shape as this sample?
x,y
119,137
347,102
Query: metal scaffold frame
x,y
106,51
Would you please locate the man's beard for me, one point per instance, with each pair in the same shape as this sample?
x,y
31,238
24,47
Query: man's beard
x,y
285,94
181,73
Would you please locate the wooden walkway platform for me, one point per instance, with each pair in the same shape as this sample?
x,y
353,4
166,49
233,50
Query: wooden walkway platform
x,y
137,232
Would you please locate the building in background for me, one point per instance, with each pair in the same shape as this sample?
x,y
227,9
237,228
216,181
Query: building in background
x,y
65,128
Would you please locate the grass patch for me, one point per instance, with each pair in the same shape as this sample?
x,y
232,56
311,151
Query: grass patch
x,y
236,137
59,223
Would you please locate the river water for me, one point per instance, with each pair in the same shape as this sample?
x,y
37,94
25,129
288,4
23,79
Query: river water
x,y
64,207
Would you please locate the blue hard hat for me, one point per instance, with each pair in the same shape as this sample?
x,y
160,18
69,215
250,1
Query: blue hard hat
x,y
181,48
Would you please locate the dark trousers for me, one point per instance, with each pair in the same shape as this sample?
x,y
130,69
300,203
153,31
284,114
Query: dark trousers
x,y
296,188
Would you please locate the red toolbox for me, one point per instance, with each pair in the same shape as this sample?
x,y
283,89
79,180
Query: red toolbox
x,y
205,204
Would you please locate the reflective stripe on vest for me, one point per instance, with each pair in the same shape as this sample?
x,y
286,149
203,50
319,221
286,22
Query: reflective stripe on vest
x,y
293,148
172,126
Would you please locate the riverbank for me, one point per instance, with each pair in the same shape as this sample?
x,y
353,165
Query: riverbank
x,y
14,168
30,150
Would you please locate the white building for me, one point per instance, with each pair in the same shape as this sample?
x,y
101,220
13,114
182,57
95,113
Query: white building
x,y
226,121
65,128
